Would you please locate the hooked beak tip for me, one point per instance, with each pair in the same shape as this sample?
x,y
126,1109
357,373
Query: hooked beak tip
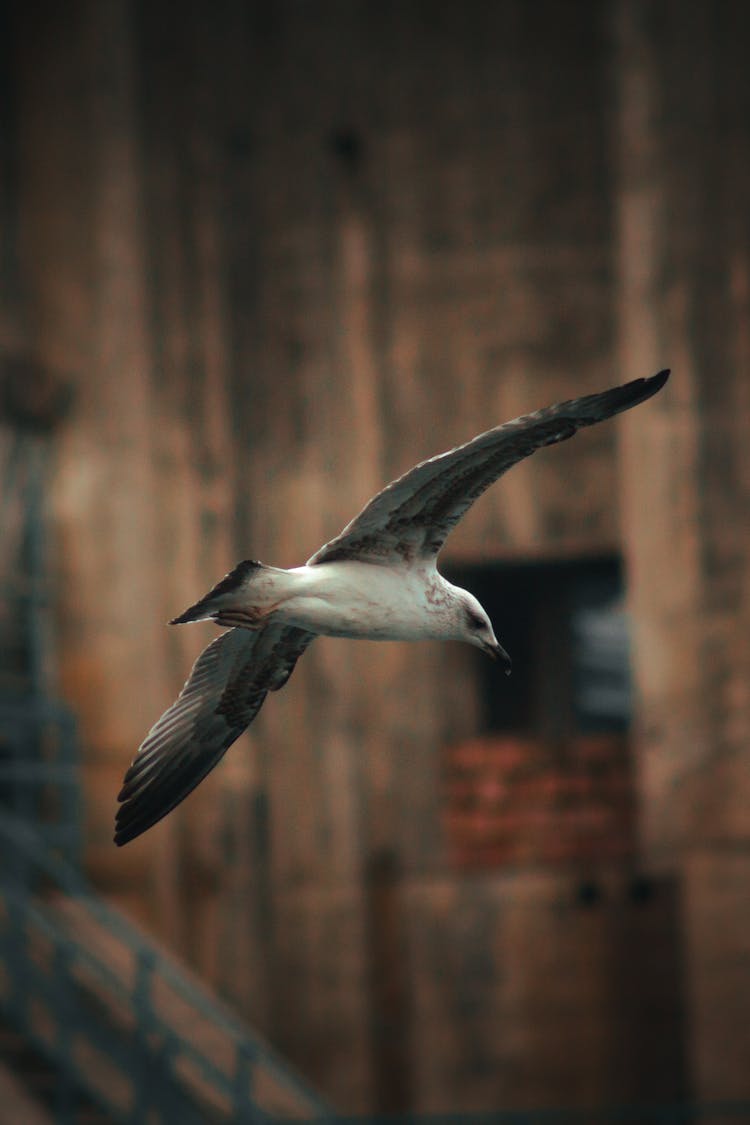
x,y
498,653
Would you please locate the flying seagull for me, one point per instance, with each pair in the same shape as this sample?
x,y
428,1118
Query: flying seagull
x,y
376,580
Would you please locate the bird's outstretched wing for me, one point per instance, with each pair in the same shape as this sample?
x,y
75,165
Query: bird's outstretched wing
x,y
223,694
412,517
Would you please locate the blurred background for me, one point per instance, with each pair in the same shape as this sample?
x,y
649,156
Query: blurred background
x,y
256,260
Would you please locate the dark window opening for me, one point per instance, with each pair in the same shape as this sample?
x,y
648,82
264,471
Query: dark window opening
x,y
565,627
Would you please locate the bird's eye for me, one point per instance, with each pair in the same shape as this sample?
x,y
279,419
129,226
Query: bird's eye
x,y
475,621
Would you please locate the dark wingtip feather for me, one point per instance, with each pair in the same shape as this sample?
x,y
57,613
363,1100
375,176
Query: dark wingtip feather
x,y
121,837
637,391
152,787
144,805
654,383
597,407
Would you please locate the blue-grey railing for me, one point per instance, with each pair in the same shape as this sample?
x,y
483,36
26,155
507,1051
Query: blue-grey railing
x,y
39,779
24,581
39,771
119,1017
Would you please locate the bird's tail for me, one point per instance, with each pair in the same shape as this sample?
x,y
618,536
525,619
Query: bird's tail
x,y
239,599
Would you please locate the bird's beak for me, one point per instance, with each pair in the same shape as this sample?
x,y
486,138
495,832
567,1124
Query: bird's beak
x,y
497,652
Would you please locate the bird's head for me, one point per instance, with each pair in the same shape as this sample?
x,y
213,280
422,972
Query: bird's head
x,y
476,628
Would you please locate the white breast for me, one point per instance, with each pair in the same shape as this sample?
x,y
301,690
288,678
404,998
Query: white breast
x,y
355,599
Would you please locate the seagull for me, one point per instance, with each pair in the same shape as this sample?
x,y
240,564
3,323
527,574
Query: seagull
x,y
377,580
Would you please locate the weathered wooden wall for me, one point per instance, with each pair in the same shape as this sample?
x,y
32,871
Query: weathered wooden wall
x,y
284,251
684,234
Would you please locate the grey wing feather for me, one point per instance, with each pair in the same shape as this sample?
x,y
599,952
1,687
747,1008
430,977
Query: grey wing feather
x,y
223,694
412,517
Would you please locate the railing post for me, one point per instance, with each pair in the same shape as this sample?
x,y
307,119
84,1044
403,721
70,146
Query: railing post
x,y
17,963
246,1111
65,1015
143,1007
37,606
143,990
19,868
71,818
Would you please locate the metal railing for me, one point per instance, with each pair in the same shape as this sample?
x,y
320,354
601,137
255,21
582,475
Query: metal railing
x,y
117,1016
39,771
